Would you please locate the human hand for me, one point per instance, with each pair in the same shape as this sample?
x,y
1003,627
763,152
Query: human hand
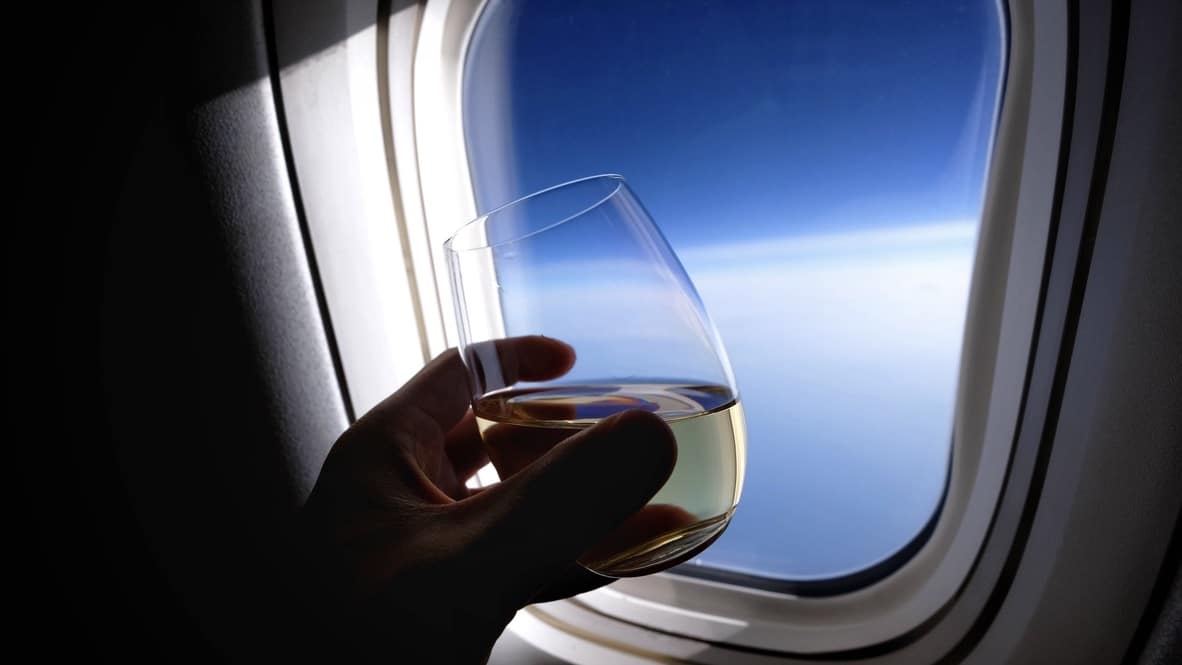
x,y
410,564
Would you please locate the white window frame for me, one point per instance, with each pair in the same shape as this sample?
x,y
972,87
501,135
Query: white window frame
x,y
382,193
361,205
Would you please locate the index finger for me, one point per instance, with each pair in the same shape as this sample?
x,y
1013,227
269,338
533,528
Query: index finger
x,y
496,364
443,389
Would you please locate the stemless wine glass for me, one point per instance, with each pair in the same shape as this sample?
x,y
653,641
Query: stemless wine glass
x,y
583,262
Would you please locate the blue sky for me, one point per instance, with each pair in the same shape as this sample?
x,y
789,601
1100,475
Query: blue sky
x,y
818,167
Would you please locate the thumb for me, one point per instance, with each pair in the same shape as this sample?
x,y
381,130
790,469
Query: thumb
x,y
535,524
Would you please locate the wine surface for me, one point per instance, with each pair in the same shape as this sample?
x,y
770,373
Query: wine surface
x,y
696,502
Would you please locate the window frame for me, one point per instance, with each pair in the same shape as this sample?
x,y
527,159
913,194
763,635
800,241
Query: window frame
x,y
1010,256
360,205
408,100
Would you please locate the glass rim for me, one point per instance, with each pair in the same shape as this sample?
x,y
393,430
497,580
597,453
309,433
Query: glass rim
x,y
449,245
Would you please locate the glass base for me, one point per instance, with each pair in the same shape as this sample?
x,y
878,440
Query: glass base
x,y
664,552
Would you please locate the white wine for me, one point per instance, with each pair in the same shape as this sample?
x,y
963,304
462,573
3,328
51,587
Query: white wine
x,y
695,504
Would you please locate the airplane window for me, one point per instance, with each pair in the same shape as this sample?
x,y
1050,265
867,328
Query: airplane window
x,y
819,167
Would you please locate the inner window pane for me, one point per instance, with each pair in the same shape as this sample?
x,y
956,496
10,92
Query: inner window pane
x,y
819,168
